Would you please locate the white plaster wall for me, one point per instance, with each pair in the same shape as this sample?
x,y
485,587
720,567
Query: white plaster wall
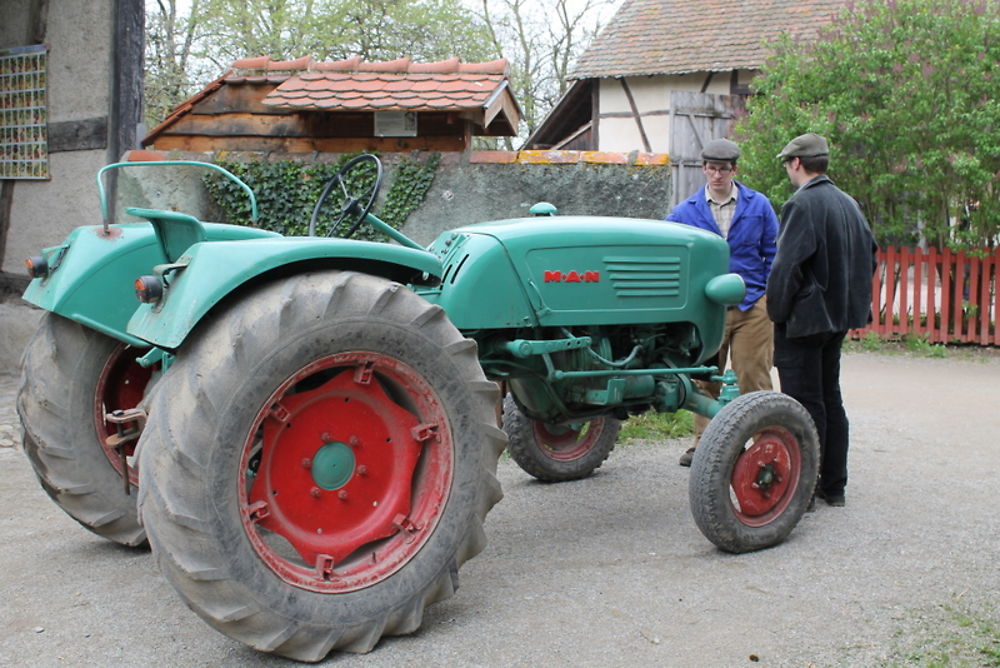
x,y
78,33
14,17
652,98
44,212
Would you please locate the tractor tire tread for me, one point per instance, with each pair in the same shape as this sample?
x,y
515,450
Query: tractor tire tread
x,y
192,559
60,367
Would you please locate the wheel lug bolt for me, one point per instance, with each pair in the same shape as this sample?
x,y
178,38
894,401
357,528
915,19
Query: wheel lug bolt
x,y
325,436
362,470
315,492
306,463
342,495
353,440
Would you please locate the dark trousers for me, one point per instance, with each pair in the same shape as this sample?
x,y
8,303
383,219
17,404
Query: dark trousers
x,y
809,371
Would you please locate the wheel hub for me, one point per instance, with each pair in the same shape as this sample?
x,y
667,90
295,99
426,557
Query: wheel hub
x,y
346,472
567,442
333,465
765,476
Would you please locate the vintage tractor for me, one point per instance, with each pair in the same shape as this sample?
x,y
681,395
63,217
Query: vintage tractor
x,y
311,423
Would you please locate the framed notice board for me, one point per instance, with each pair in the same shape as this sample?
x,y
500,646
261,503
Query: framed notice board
x,y
24,152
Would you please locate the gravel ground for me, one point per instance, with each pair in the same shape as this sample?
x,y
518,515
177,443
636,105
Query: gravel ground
x,y
612,571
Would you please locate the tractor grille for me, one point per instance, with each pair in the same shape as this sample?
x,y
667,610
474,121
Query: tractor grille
x,y
643,276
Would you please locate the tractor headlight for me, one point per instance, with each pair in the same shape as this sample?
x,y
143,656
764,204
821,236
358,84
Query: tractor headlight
x,y
727,289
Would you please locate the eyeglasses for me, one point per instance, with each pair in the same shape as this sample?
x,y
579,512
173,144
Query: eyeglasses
x,y
717,170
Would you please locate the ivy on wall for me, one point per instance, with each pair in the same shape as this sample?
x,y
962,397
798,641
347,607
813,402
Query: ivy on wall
x,y
287,192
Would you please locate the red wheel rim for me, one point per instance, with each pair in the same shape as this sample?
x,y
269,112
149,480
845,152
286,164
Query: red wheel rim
x,y
120,386
765,476
565,443
345,472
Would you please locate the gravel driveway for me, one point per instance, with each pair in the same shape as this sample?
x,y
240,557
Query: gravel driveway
x,y
611,570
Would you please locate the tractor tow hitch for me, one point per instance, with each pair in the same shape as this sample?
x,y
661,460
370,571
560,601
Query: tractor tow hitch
x,y
129,425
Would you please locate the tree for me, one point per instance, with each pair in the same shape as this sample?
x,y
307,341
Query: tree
x,y
905,91
173,70
541,41
333,29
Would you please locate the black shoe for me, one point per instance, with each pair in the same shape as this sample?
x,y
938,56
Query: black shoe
x,y
835,499
687,457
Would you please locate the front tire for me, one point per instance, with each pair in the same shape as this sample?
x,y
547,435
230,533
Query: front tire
x,y
320,464
71,377
557,453
754,472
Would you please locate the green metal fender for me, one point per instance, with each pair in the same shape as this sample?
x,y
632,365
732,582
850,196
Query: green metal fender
x,y
93,270
208,272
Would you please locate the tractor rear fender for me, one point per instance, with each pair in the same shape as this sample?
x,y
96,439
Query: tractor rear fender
x,y
91,274
208,274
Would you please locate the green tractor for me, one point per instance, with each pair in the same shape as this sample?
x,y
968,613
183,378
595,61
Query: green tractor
x,y
306,429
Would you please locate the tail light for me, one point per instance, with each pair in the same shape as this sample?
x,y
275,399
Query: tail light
x,y
37,266
148,289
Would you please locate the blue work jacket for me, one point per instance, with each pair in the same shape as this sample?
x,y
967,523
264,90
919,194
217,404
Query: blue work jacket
x,y
751,238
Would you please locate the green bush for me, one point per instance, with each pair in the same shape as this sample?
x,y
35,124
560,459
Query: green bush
x,y
287,192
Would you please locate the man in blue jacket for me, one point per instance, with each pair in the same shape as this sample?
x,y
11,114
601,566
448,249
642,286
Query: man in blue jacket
x,y
746,219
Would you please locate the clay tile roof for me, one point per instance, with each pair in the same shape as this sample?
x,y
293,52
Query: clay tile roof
x,y
297,64
481,91
498,66
648,37
392,85
257,63
398,65
450,65
347,65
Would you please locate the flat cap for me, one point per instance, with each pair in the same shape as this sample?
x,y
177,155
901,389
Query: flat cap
x,y
805,146
722,150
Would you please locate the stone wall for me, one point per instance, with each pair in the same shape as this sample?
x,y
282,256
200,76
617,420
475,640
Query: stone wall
x,y
467,188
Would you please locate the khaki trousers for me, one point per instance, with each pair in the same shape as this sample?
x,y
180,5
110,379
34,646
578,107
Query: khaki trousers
x,y
749,343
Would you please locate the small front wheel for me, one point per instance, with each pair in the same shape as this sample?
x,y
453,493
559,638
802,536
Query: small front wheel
x,y
556,453
754,472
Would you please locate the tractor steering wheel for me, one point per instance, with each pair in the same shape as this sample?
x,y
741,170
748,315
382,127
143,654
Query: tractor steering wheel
x,y
354,208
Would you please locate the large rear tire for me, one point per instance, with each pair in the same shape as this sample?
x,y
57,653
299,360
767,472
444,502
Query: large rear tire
x,y
319,464
557,453
71,377
754,472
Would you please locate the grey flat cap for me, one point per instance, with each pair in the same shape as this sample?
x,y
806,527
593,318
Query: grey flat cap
x,y
805,146
721,150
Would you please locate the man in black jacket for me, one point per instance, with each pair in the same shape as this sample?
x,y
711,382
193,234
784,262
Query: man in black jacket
x,y
819,288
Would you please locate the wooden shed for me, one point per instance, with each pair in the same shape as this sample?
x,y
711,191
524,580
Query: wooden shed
x,y
302,106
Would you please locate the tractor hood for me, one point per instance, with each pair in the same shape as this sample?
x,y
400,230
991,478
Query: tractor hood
x,y
575,270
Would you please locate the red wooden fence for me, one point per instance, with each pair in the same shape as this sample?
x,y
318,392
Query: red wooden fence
x,y
945,296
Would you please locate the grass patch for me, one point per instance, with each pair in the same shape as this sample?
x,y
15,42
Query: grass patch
x,y
911,344
921,346
949,635
653,426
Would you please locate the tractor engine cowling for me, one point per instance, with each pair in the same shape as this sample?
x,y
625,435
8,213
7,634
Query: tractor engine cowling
x,y
573,271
